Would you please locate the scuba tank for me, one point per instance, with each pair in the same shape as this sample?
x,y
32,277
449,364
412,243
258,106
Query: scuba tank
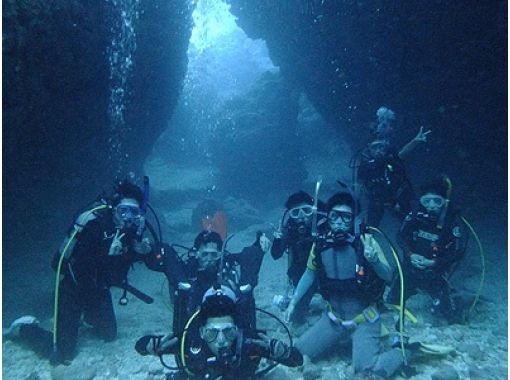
x,y
95,210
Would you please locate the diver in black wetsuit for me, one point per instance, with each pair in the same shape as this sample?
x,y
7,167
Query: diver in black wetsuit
x,y
383,175
205,266
433,240
104,251
295,238
215,345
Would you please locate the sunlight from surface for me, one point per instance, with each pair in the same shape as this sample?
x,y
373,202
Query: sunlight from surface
x,y
213,21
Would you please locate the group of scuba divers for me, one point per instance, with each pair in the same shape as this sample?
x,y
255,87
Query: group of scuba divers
x,y
331,251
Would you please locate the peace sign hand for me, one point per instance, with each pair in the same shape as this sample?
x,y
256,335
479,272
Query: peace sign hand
x,y
369,250
422,136
116,247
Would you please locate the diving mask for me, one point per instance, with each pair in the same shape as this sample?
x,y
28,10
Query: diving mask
x,y
211,333
343,216
340,219
432,202
128,213
378,148
301,212
209,254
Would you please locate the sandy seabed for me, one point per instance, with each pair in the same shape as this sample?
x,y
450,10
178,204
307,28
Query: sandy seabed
x,y
481,347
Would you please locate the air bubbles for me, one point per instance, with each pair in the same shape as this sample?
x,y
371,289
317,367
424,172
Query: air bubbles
x,y
125,13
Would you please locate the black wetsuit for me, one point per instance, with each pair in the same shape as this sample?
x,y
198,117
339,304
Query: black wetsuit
x,y
240,361
238,269
386,183
420,235
84,290
298,247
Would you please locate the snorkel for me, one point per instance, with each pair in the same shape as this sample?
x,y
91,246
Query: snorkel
x,y
143,207
146,193
442,216
315,209
219,276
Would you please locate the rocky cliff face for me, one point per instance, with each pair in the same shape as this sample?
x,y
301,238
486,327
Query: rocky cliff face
x,y
56,94
439,63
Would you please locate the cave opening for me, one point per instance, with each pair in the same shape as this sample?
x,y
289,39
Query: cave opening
x,y
223,66
234,111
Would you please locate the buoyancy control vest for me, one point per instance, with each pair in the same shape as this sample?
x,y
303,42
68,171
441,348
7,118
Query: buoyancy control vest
x,y
383,177
343,269
423,236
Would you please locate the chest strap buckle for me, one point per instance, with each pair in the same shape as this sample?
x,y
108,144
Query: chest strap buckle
x,y
371,314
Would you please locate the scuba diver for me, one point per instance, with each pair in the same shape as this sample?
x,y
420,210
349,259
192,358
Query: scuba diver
x,y
351,271
295,238
214,344
433,241
206,264
105,242
383,174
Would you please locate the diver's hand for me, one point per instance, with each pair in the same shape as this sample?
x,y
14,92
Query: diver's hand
x,y
265,243
278,350
416,261
422,136
290,311
264,340
184,285
245,288
421,262
428,262
277,234
157,344
142,247
369,250
116,247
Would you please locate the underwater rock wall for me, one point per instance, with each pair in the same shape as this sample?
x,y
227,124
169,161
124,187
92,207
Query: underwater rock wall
x,y
56,92
439,63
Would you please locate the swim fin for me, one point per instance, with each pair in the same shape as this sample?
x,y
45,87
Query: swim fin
x,y
435,349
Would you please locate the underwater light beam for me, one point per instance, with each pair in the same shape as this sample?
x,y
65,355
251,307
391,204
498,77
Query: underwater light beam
x,y
213,21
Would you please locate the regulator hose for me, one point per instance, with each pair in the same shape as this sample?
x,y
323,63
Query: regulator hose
x,y
482,258
401,310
